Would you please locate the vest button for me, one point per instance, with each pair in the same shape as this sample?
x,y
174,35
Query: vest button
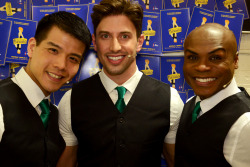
x,y
121,120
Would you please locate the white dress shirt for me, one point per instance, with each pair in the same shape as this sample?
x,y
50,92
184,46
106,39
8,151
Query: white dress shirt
x,y
33,93
236,147
176,106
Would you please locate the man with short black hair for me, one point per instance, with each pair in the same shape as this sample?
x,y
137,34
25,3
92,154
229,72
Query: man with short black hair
x,y
29,132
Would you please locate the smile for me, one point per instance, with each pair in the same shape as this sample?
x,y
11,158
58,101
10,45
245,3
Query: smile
x,y
204,80
115,58
54,76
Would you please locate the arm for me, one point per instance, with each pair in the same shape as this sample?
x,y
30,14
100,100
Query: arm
x,y
236,147
1,123
68,157
168,153
176,106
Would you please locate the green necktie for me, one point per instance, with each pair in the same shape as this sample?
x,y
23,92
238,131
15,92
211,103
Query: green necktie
x,y
44,105
120,104
196,112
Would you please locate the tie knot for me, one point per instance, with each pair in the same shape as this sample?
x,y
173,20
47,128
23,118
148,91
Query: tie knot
x,y
44,105
197,106
45,101
121,92
196,111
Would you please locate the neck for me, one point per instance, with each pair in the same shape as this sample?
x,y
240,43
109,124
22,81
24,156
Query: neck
x,y
122,78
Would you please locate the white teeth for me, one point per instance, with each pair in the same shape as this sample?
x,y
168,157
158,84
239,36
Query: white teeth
x,y
205,79
54,76
116,58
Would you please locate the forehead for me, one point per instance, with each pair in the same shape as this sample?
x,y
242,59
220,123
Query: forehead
x,y
207,40
204,37
116,23
55,31
61,38
58,34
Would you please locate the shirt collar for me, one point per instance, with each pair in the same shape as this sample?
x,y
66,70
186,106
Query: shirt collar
x,y
32,91
130,84
212,101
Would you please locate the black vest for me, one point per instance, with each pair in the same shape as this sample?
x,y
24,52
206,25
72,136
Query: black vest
x,y
201,144
108,138
25,141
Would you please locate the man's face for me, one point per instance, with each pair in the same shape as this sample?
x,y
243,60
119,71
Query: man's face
x,y
116,44
55,60
209,62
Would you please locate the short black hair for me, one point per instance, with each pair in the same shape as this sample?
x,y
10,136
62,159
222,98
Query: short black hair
x,y
67,22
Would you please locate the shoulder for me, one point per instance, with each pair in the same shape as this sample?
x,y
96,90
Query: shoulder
x,y
190,99
89,81
241,128
150,80
244,120
8,88
5,82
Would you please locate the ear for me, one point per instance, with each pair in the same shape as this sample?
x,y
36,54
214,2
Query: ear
x,y
140,43
31,46
236,60
94,42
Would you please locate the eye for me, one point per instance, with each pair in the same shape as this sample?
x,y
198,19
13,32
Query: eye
x,y
192,57
125,36
215,58
75,60
52,50
105,36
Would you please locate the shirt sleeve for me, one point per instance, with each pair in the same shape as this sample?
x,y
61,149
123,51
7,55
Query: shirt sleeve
x,y
236,147
1,123
65,127
176,107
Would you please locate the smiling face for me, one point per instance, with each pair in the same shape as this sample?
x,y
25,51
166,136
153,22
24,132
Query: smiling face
x,y
209,59
55,60
117,44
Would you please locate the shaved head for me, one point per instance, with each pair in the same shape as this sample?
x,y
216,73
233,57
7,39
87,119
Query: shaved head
x,y
213,31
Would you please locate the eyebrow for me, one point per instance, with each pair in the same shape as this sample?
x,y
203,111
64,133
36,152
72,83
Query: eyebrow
x,y
107,32
217,50
57,46
125,32
79,56
213,51
101,32
188,50
53,44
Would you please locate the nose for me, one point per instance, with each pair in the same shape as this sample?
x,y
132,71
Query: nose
x,y
60,62
202,66
115,45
